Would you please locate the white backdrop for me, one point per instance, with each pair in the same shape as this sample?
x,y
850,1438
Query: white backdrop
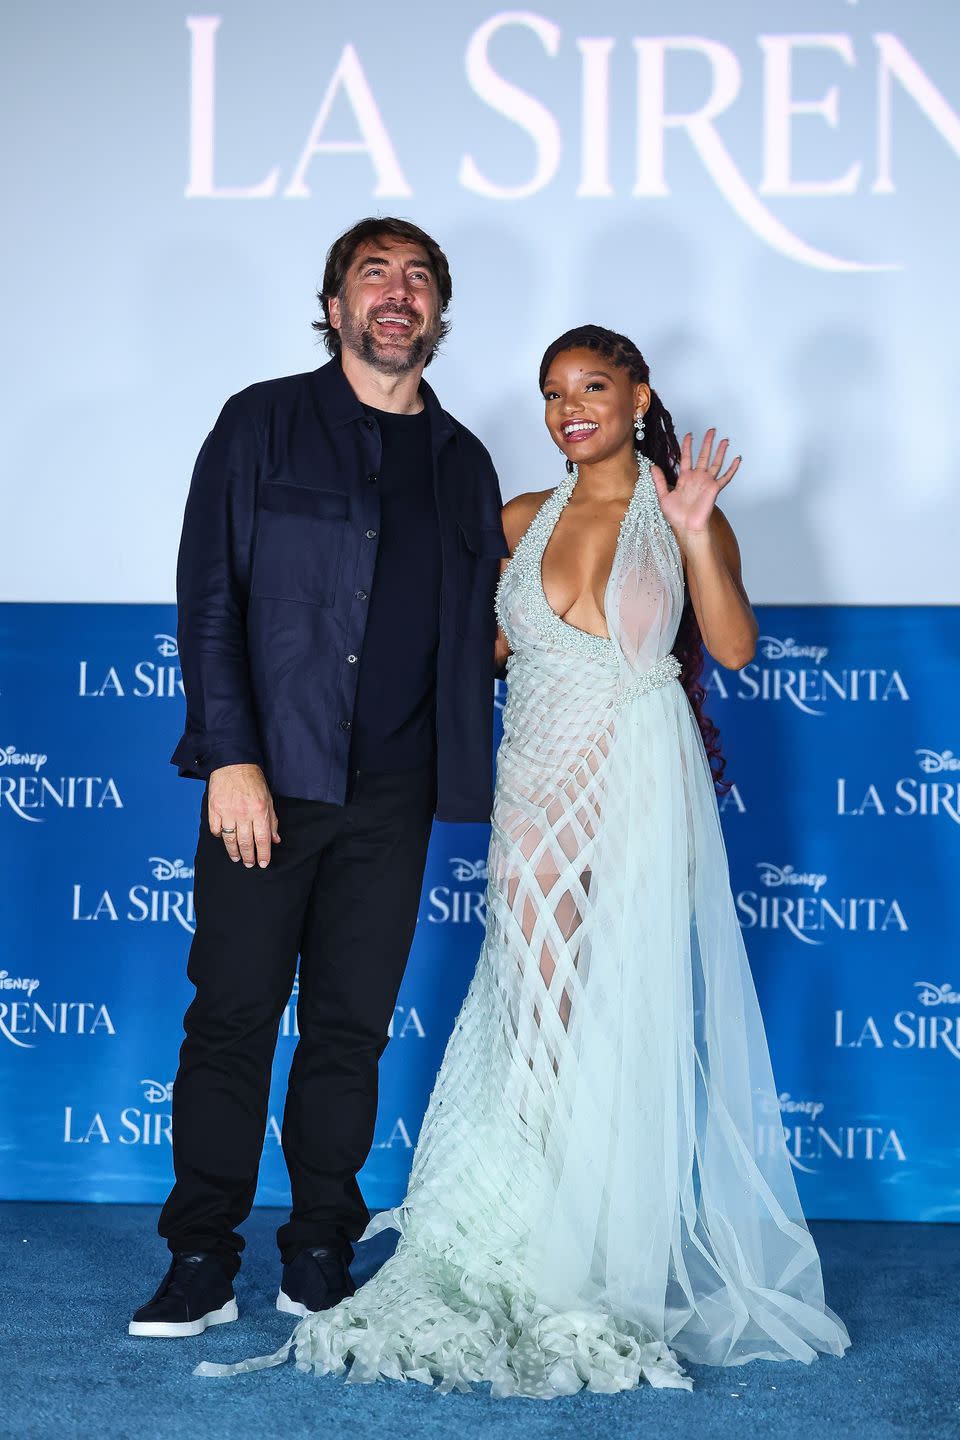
x,y
764,195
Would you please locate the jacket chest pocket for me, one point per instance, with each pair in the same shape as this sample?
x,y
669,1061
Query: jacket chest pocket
x,y
300,535
484,542
482,547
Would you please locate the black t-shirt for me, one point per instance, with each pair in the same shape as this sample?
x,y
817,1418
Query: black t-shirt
x,y
394,717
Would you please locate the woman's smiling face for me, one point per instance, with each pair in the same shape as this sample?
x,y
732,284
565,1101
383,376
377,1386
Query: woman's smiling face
x,y
590,405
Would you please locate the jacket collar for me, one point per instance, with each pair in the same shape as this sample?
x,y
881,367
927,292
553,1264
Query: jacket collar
x,y
340,405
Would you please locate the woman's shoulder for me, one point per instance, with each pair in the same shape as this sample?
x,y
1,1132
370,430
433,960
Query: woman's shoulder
x,y
519,512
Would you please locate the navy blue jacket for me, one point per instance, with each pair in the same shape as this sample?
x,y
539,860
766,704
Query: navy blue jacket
x,y
277,559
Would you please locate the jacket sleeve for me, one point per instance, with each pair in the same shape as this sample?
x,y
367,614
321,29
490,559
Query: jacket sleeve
x,y
213,580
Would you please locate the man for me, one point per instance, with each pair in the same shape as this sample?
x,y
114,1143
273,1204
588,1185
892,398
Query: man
x,y
335,588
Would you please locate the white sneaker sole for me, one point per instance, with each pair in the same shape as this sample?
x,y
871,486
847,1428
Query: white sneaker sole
x,y
293,1307
174,1329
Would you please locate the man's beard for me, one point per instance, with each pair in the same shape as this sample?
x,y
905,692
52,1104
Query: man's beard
x,y
363,341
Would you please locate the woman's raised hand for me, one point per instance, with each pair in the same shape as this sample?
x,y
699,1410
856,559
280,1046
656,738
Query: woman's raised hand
x,y
689,505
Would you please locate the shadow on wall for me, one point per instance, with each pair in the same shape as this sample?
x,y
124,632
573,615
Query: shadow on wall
x,y
489,376
798,553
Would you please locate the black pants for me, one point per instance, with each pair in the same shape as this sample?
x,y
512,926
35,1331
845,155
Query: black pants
x,y
342,890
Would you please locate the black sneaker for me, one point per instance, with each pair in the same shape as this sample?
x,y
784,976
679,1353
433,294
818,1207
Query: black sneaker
x,y
316,1279
193,1294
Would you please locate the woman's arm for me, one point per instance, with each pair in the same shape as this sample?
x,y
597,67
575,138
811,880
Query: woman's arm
x,y
501,646
727,622
517,515
710,551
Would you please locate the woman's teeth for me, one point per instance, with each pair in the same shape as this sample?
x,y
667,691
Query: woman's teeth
x,y
578,429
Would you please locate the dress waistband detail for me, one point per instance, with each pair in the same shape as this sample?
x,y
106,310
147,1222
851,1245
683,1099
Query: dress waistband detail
x,y
664,670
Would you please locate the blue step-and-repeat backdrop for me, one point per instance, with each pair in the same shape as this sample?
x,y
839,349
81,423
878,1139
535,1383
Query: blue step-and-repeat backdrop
x,y
764,197
842,827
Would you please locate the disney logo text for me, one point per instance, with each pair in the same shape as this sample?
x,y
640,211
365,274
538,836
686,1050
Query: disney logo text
x,y
774,875
772,648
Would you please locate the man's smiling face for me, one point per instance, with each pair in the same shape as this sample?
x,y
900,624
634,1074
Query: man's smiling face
x,y
388,312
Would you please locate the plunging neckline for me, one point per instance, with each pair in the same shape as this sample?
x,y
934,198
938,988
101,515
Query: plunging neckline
x,y
565,491
570,484
524,569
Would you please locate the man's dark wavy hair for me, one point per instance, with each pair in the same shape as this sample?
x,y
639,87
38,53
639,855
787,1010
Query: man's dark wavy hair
x,y
662,448
343,251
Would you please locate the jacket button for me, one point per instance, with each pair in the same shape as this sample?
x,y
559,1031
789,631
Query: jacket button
x,y
344,724
351,659
368,424
372,479
360,594
371,534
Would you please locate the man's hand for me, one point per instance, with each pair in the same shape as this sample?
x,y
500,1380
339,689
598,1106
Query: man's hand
x,y
240,810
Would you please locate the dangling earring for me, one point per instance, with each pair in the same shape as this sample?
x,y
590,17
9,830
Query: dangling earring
x,y
570,466
639,428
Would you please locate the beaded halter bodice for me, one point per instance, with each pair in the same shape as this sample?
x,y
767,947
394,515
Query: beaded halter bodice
x,y
643,595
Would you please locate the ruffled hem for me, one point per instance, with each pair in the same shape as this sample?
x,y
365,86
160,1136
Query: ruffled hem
x,y
406,1326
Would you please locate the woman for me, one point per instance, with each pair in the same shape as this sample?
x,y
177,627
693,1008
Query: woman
x,y
587,1202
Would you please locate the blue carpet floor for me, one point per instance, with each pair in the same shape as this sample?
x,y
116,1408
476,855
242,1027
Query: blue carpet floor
x,y
71,1275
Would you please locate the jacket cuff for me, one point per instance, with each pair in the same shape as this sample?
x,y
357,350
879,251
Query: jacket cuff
x,y
197,760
